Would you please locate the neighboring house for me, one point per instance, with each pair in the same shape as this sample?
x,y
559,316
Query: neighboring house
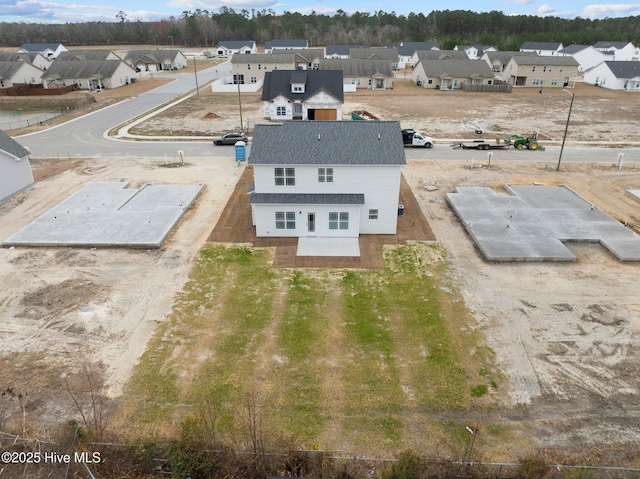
x,y
155,60
48,50
475,51
227,48
497,61
19,73
89,75
585,55
35,59
407,49
422,55
371,74
84,55
16,171
547,49
250,68
448,74
340,52
387,54
272,45
326,179
303,95
615,75
618,51
539,71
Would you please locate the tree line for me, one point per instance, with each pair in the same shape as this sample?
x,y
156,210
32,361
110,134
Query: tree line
x,y
202,28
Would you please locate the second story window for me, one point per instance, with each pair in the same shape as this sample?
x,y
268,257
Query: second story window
x,y
325,175
285,176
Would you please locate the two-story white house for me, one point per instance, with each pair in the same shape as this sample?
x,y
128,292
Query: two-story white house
x,y
586,56
303,95
326,180
618,51
545,49
615,75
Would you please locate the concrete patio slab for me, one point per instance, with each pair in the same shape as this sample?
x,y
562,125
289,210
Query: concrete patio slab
x,y
532,223
314,246
109,214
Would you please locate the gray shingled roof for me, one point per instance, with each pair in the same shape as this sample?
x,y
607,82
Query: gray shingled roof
x,y
540,46
278,82
342,50
308,198
84,55
328,143
156,56
282,56
9,69
19,57
39,47
286,44
608,45
545,60
409,48
12,147
388,54
441,55
504,56
457,69
236,44
572,49
624,70
76,69
354,68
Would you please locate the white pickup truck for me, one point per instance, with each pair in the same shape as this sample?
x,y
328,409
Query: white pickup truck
x,y
415,139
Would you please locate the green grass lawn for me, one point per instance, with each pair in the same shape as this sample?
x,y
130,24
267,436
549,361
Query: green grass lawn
x,y
332,359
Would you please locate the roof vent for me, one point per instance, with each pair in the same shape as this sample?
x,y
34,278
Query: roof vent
x,y
378,136
318,136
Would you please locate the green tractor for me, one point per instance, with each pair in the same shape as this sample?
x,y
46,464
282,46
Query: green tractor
x,y
521,142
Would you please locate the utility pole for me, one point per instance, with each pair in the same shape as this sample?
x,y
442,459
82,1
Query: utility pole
x,y
566,128
195,72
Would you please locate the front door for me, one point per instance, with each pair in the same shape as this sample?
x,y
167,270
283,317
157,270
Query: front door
x,y
311,223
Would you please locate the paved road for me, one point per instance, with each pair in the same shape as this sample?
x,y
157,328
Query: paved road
x,y
86,137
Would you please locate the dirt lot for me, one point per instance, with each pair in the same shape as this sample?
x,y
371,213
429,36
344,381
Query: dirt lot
x,y
565,335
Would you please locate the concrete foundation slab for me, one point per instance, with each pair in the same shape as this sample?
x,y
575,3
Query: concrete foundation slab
x,y
532,223
635,194
110,215
314,246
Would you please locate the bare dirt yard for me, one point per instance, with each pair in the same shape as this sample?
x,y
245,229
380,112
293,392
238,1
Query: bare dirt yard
x,y
565,335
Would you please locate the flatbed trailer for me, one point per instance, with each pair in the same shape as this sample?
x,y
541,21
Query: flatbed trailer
x,y
480,145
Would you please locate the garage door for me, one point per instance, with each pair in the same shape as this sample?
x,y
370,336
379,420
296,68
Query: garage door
x,y
326,114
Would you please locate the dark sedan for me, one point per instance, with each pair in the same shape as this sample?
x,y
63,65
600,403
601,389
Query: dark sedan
x,y
231,139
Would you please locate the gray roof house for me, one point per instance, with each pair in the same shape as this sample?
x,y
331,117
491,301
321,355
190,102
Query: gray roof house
x,y
618,51
407,49
475,51
16,171
284,44
303,95
230,47
450,74
371,74
36,59
586,55
542,48
340,51
89,74
326,182
83,55
49,50
388,54
156,60
615,75
497,60
19,73
540,71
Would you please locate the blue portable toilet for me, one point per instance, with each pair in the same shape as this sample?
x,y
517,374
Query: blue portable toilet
x,y
241,151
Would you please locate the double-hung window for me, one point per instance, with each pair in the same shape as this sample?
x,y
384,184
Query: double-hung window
x,y
285,176
285,220
325,175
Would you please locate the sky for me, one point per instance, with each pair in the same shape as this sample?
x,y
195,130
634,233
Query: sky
x,y
63,11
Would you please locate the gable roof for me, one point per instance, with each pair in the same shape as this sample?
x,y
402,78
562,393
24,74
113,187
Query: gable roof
x,y
87,69
611,45
457,69
541,46
236,44
441,55
9,69
341,49
504,56
85,55
284,43
545,60
278,83
407,49
573,49
358,67
39,47
388,54
27,57
625,69
151,56
328,143
12,147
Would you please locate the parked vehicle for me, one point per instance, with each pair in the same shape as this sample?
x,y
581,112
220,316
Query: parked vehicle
x,y
517,141
413,138
481,145
231,138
